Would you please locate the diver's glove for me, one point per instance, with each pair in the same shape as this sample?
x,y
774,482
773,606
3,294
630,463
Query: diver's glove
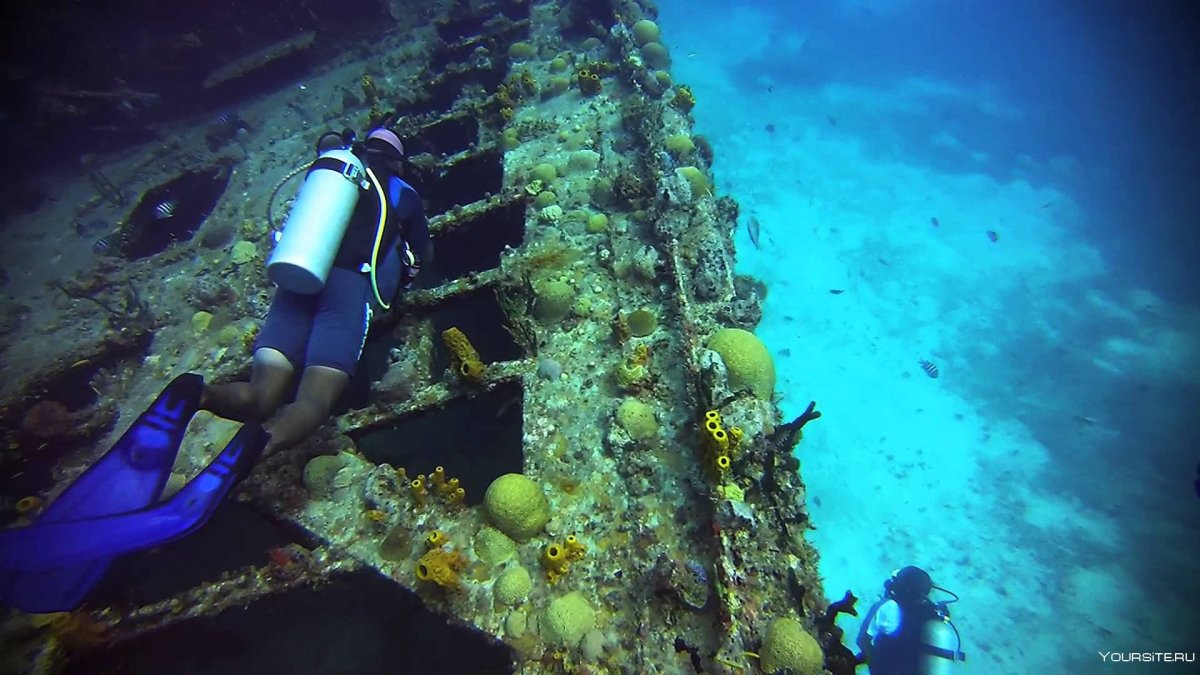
x,y
411,267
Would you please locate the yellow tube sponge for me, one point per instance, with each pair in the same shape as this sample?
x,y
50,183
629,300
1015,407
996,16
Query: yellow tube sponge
x,y
418,490
719,445
574,548
441,567
747,361
554,561
463,355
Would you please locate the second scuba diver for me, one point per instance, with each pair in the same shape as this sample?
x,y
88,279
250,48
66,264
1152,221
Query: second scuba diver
x,y
906,633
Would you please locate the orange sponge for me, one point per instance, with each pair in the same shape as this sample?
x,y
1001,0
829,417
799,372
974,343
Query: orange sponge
x,y
442,567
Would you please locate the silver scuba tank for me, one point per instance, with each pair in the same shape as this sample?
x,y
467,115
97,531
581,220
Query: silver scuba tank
x,y
314,229
939,647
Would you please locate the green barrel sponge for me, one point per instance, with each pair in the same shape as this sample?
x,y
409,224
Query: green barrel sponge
x,y
319,473
583,160
641,322
556,85
243,252
656,55
545,172
679,144
788,646
521,50
645,31
597,222
747,360
695,177
552,300
637,419
567,619
516,506
513,586
493,547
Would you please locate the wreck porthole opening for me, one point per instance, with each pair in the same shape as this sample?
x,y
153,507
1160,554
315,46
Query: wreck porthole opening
x,y
172,212
74,388
475,438
475,245
348,625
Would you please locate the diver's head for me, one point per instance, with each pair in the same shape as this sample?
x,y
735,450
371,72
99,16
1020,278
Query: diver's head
x,y
909,585
384,145
334,140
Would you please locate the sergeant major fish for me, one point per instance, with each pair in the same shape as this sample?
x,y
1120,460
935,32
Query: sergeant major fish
x,y
929,367
165,209
105,244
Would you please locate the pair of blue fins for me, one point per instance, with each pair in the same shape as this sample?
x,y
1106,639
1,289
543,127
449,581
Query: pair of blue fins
x,y
115,507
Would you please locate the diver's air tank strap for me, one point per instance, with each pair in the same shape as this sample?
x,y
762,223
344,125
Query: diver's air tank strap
x,y
349,171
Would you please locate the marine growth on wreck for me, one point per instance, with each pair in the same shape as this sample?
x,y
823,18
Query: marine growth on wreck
x,y
564,439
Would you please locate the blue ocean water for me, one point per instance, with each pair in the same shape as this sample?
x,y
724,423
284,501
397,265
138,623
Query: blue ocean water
x,y
1009,190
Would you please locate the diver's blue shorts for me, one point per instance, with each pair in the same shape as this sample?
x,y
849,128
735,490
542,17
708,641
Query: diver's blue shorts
x,y
323,329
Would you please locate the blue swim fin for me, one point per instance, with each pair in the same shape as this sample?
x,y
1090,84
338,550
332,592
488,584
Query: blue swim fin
x,y
76,542
128,477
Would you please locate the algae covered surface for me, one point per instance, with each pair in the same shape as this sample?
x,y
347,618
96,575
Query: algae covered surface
x,y
565,440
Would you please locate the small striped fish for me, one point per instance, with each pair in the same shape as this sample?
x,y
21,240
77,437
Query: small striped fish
x,y
929,367
165,209
105,243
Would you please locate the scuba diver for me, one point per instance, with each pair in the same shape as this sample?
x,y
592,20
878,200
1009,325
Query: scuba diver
x,y
906,633
339,257
329,278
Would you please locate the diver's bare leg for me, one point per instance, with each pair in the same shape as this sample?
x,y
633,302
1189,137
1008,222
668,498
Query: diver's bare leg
x,y
258,399
320,387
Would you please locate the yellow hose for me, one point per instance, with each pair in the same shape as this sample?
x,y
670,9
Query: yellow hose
x,y
383,209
